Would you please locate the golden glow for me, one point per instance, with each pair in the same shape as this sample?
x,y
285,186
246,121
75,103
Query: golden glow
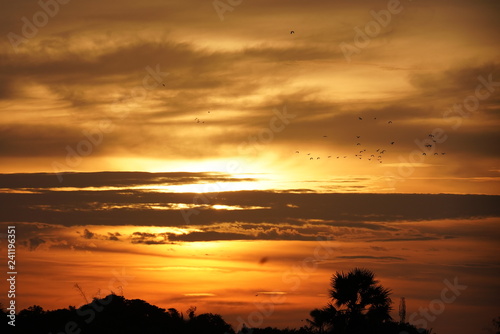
x,y
186,90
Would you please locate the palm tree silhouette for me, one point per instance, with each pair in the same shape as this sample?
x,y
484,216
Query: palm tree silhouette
x,y
323,319
360,298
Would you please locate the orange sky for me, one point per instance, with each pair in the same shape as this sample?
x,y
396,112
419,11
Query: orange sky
x,y
136,79
372,97
230,277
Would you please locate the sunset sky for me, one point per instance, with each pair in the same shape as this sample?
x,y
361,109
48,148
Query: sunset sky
x,y
205,150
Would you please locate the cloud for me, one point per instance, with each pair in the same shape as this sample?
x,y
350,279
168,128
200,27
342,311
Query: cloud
x,y
132,207
111,179
87,234
371,257
114,236
34,243
149,238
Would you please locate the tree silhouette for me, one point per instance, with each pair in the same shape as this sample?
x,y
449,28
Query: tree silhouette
x,y
323,319
402,310
496,324
359,305
360,299
115,315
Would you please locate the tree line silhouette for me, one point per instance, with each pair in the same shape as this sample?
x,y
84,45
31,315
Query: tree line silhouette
x,y
358,305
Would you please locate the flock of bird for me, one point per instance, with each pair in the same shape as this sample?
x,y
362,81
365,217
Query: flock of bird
x,y
197,120
361,152
374,155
